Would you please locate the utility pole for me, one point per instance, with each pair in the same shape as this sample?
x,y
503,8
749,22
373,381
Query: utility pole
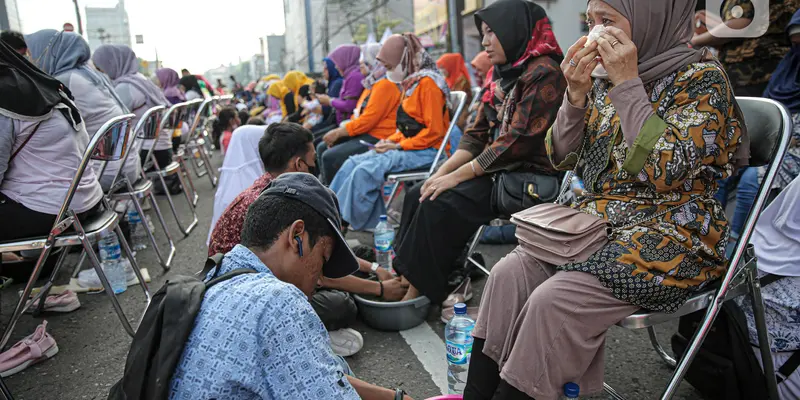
x,y
78,16
309,37
455,25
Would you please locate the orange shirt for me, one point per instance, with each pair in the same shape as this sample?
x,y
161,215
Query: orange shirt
x,y
379,118
428,106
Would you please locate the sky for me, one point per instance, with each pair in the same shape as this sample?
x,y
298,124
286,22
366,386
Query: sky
x,y
194,34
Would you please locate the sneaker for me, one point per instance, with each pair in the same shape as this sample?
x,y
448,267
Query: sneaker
x,y
88,278
346,342
449,313
33,349
64,302
462,294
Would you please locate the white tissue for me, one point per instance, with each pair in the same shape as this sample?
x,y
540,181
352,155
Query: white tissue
x,y
595,34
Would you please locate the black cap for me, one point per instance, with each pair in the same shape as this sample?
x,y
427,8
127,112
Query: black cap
x,y
306,188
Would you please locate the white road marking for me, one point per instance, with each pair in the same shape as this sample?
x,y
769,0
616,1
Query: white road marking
x,y
430,351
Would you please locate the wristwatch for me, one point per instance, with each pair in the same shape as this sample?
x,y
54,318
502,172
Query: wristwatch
x,y
375,267
399,394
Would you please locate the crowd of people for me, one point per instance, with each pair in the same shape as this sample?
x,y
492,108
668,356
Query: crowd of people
x,y
644,113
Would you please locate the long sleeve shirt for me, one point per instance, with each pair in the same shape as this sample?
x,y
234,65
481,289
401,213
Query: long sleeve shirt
x,y
521,145
379,118
427,106
348,97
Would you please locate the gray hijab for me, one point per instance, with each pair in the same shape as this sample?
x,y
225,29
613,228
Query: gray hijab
x,y
57,53
661,31
120,64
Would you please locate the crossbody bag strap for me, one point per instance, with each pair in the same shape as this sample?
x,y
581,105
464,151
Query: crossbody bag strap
x,y
14,154
788,367
769,279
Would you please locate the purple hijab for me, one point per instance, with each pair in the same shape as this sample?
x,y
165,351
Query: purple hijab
x,y
169,82
346,57
120,64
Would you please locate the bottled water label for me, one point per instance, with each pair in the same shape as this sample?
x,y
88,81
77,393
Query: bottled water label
x,y
458,353
383,243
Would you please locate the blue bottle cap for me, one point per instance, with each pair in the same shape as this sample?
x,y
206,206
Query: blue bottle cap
x,y
460,308
571,390
383,218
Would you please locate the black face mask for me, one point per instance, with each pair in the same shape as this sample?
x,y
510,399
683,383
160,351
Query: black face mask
x,y
312,169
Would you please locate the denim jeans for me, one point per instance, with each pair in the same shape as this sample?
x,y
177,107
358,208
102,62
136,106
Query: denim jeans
x,y
745,197
359,183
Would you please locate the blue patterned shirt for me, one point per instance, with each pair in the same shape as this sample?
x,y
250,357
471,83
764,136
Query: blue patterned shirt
x,y
256,337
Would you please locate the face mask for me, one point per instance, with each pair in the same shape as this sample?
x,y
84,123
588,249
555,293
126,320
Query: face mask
x,y
398,73
600,72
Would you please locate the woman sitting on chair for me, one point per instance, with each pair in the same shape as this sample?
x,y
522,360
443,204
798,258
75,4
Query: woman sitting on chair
x,y
529,82
650,136
422,122
138,93
345,57
278,91
42,141
294,81
65,56
372,121
455,72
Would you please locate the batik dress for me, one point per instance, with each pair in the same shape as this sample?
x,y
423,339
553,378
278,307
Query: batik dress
x,y
677,158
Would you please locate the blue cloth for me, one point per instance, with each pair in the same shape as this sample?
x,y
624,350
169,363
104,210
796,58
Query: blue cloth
x,y
455,138
746,194
257,337
784,84
335,79
359,183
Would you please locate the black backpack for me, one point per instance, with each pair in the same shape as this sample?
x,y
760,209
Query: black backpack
x,y
162,334
725,366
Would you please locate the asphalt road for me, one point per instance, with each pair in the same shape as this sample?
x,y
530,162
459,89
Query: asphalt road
x,y
93,345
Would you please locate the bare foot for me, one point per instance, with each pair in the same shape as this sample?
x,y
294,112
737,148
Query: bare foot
x,y
412,294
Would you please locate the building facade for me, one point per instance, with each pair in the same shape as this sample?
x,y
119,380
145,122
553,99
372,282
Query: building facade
x,y
9,16
108,25
276,53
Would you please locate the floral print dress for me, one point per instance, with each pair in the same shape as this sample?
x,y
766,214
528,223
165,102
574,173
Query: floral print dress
x,y
666,183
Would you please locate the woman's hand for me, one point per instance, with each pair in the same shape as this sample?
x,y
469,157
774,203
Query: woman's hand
x,y
324,99
619,54
331,137
438,186
384,145
577,67
438,174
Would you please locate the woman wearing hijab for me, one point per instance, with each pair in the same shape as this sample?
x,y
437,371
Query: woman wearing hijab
x,y
279,91
372,121
138,94
168,80
65,56
482,64
346,58
529,82
191,87
294,82
784,86
454,69
332,76
422,121
42,140
649,135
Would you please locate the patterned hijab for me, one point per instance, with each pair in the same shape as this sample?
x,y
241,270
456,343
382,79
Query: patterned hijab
x,y
369,55
417,62
120,64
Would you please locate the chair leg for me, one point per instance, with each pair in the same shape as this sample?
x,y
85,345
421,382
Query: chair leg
x,y
79,266
45,290
172,249
151,235
194,222
172,204
184,172
134,264
763,333
212,176
472,246
651,332
611,392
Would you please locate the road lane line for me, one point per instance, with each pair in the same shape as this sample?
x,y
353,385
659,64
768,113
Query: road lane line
x,y
430,351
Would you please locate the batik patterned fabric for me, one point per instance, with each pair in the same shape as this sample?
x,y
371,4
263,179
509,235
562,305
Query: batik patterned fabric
x,y
781,312
256,337
660,261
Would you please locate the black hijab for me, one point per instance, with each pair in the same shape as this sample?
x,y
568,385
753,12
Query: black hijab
x,y
27,91
515,22
189,82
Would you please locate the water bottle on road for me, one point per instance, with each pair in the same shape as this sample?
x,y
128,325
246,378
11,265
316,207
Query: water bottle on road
x,y
384,240
571,390
458,340
137,227
112,266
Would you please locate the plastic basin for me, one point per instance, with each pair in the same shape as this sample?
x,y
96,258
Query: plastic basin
x,y
393,316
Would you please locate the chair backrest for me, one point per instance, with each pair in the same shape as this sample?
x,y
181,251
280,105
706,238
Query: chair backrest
x,y
146,128
192,109
110,143
476,96
769,126
458,100
200,118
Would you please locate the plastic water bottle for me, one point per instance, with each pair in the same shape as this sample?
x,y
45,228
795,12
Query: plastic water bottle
x,y
576,184
571,390
387,191
112,266
138,235
384,240
458,340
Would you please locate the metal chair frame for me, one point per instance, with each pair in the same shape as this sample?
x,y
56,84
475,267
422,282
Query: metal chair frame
x,y
146,128
192,111
171,121
108,144
195,146
459,99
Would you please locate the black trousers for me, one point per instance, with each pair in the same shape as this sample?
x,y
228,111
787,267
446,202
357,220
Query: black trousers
x,y
433,233
335,308
330,160
483,379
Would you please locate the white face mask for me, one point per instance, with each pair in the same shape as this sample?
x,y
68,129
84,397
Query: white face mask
x,y
398,73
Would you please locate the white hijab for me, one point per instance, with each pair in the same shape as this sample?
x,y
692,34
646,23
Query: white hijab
x,y
777,234
240,168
